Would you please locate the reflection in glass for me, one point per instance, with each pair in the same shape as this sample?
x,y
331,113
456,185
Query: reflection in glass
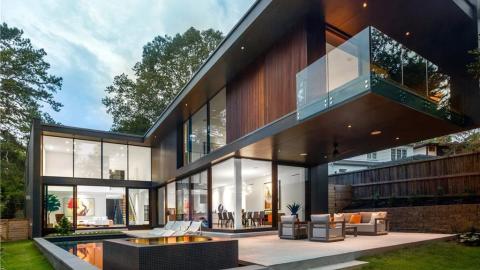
x,y
198,134
57,156
386,56
414,72
291,189
114,161
138,210
183,200
438,86
100,206
58,203
87,159
171,201
186,143
139,163
218,121
223,192
199,196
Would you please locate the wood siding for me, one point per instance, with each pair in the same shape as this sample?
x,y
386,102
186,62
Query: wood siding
x,y
164,158
266,89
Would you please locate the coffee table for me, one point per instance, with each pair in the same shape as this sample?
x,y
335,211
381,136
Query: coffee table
x,y
351,230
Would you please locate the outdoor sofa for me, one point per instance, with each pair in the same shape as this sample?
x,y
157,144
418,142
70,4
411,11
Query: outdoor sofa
x,y
366,223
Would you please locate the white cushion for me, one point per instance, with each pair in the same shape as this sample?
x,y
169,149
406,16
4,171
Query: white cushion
x,y
338,217
288,219
324,218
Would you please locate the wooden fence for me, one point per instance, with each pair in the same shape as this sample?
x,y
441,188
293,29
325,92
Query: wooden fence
x,y
339,197
14,229
446,176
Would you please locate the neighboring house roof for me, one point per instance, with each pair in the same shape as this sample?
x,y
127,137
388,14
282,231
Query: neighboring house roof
x,y
355,163
404,160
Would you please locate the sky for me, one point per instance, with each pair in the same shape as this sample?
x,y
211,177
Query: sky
x,y
88,42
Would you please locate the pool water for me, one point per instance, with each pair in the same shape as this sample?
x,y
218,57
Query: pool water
x,y
89,251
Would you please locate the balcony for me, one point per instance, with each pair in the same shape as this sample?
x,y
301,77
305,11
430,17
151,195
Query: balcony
x,y
372,62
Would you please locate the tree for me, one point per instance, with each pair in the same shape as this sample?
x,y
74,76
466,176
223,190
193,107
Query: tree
x,y
25,88
166,66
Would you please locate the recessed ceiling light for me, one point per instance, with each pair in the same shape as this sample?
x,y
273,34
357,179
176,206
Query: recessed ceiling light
x,y
186,104
324,156
349,126
376,132
364,5
397,138
407,33
242,48
303,154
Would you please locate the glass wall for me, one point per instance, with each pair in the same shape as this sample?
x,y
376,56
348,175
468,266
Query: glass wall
x,y
161,205
199,199
87,163
57,204
100,206
139,163
138,210
205,130
114,161
66,157
57,156
242,194
171,200
218,121
291,189
183,200
198,134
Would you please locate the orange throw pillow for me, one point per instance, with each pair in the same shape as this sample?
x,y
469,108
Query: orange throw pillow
x,y
355,219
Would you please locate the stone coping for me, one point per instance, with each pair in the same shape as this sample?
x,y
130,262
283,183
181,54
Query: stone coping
x,y
59,258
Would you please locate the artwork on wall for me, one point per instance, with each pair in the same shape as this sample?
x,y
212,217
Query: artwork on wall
x,y
85,206
267,193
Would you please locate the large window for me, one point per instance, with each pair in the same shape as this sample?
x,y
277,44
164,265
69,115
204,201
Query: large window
x,y
183,199
139,163
205,130
291,189
114,161
218,121
58,203
199,203
242,194
57,156
100,206
138,200
171,200
198,134
87,159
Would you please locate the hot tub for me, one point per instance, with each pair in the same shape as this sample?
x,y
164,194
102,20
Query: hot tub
x,y
182,252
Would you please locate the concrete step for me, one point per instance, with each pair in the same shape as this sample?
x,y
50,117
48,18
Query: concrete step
x,y
345,265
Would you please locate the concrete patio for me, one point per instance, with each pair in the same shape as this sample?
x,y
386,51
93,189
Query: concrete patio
x,y
277,253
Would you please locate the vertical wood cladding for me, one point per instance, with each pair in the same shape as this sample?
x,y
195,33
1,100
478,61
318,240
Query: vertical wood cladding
x,y
266,89
164,162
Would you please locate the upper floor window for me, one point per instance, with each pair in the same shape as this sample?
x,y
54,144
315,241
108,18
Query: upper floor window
x,y
398,153
57,156
205,130
67,157
372,156
86,159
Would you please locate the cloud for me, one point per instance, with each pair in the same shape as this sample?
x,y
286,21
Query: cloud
x,y
89,42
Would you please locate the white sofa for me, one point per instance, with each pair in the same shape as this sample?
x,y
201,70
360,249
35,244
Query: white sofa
x,y
372,223
93,221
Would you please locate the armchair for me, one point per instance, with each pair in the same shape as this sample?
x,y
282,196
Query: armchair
x,y
289,228
320,228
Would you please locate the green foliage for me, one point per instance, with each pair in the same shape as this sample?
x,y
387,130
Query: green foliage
x,y
474,67
438,256
294,208
53,203
64,226
25,87
21,255
167,65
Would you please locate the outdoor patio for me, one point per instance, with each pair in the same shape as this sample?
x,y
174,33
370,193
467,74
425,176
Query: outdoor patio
x,y
269,250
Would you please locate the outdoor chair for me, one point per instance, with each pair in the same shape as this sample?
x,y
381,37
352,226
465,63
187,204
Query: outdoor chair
x,y
289,228
184,225
320,228
195,228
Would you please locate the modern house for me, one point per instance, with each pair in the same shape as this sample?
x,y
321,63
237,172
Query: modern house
x,y
294,85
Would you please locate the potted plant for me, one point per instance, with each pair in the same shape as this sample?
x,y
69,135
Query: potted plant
x,y
294,208
53,204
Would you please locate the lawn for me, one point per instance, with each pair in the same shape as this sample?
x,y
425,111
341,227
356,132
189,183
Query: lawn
x,y
438,256
22,255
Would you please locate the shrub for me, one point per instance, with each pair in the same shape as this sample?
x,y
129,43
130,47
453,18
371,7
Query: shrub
x,y
64,226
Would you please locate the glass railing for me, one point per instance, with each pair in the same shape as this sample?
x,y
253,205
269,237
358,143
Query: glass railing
x,y
371,61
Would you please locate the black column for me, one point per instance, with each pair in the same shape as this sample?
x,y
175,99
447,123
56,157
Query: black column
x,y
317,186
274,194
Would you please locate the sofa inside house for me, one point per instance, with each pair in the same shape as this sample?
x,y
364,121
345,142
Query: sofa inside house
x,y
367,223
94,221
